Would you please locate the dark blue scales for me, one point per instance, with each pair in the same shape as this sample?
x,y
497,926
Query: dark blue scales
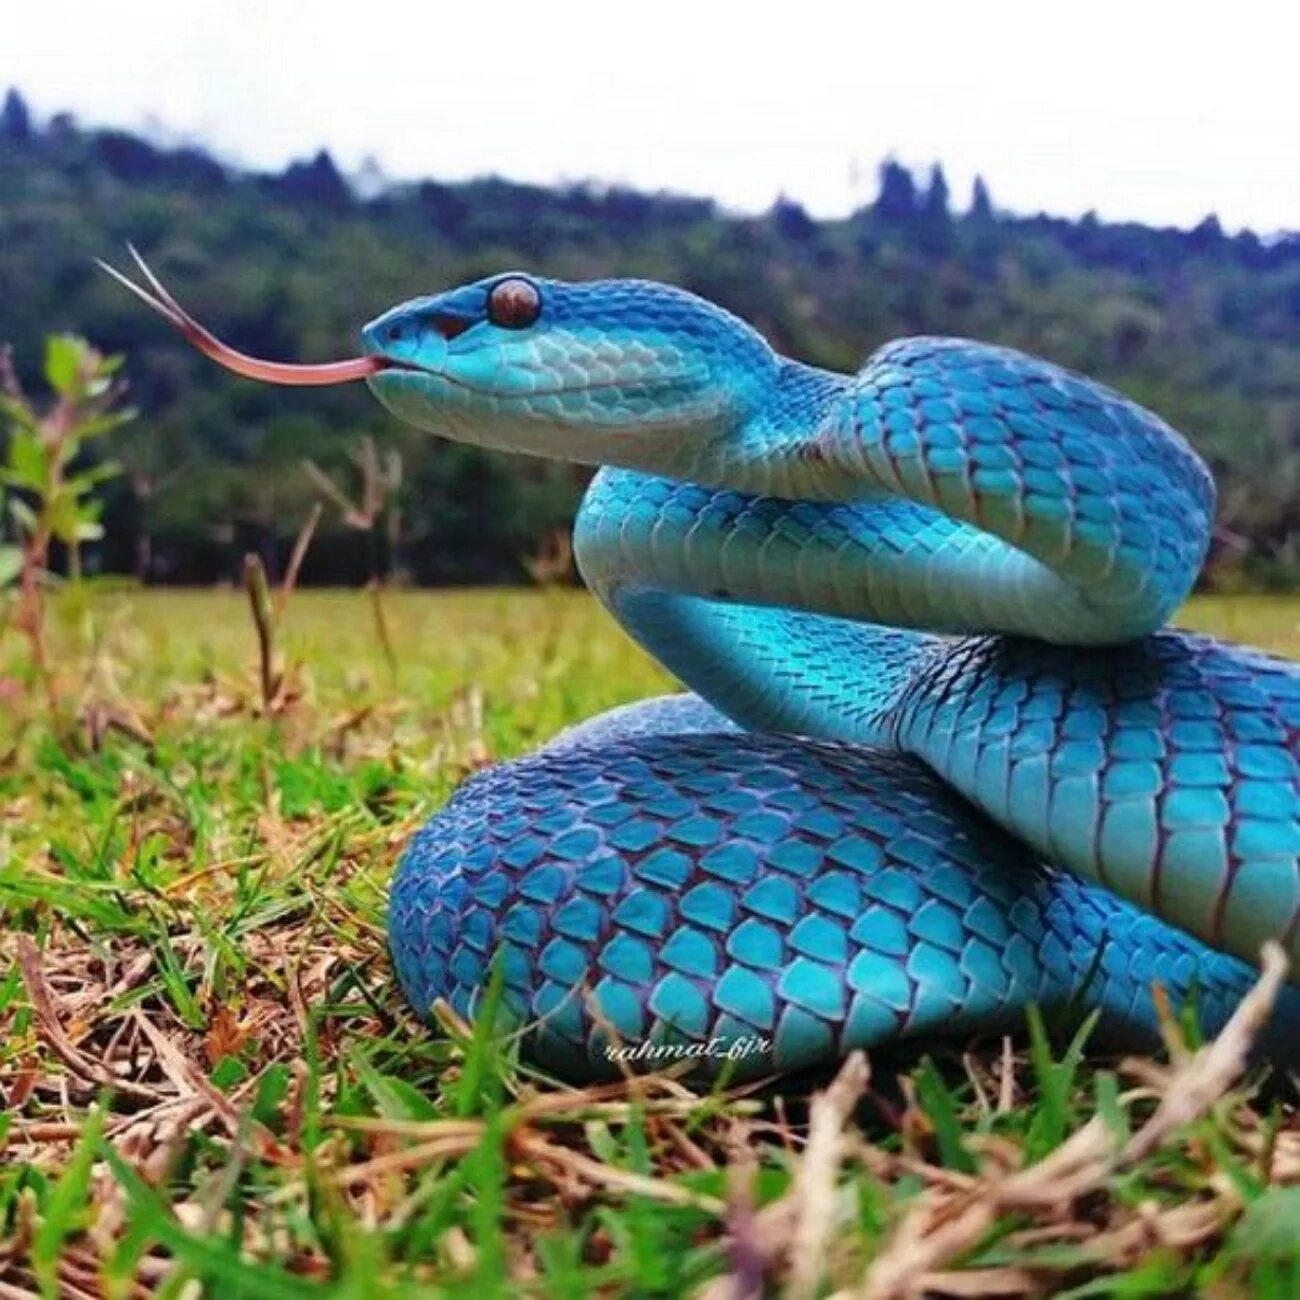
x,y
722,888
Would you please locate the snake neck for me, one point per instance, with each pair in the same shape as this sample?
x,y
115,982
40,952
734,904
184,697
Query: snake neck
x,y
782,670
749,613
788,442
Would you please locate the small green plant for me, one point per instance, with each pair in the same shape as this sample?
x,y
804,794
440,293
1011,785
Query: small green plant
x,y
44,496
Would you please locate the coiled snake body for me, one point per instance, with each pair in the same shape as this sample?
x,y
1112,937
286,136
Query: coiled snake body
x,y
940,761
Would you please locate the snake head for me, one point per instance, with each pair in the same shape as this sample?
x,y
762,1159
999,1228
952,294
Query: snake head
x,y
617,371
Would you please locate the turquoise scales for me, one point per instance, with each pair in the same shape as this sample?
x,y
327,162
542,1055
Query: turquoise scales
x,y
746,888
973,771
790,544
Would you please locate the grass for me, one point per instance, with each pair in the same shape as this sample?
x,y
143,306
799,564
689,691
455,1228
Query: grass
x,y
211,1086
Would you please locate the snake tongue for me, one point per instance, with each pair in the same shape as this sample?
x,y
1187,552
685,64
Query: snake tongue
x,y
240,363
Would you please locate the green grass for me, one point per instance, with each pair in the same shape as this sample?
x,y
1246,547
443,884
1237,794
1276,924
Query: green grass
x,y
209,1078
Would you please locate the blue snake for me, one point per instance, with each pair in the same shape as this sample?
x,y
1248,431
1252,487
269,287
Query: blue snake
x,y
940,759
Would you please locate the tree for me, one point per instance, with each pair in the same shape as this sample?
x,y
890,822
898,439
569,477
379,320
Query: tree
x,y
935,207
896,201
1208,236
981,204
128,157
792,221
318,183
934,224
15,120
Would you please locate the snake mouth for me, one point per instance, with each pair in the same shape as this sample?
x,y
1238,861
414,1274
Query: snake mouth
x,y
241,363
368,366
646,386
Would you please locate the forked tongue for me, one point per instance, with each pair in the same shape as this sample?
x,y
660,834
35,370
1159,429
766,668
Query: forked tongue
x,y
240,363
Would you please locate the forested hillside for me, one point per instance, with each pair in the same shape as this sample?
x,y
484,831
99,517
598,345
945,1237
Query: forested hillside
x,y
1201,325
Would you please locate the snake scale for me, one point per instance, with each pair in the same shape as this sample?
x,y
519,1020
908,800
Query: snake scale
x,y
940,758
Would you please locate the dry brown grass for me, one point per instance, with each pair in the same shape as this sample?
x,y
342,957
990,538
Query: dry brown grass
x,y
208,1078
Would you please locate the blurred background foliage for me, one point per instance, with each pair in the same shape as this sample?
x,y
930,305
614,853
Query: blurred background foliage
x,y
1201,325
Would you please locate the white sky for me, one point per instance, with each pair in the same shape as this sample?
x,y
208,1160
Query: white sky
x,y
1150,109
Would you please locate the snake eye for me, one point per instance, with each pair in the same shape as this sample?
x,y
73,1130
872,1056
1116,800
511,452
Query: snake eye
x,y
514,304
